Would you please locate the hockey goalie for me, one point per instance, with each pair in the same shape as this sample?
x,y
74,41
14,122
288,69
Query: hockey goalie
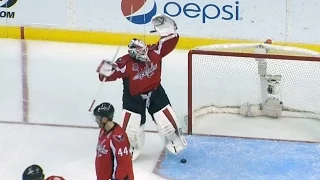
x,y
140,71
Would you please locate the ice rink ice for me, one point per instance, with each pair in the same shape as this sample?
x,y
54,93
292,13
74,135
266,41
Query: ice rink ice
x,y
61,83
215,158
67,152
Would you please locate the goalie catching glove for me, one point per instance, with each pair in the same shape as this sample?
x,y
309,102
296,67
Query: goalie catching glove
x,y
164,25
106,68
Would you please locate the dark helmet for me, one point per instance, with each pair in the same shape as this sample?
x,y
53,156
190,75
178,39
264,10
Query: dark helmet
x,y
33,172
104,110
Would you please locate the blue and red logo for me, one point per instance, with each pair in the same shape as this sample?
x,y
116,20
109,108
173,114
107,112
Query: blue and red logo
x,y
139,11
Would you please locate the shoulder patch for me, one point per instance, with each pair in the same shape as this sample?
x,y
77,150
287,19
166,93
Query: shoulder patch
x,y
119,138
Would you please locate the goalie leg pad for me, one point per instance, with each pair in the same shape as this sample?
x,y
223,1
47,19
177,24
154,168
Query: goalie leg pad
x,y
169,131
135,132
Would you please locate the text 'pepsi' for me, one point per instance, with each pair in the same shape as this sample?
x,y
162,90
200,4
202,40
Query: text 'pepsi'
x,y
205,12
141,12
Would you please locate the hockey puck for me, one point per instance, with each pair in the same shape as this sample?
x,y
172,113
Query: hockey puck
x,y
183,161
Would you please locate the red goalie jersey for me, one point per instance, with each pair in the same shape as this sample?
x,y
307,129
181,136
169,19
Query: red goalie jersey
x,y
140,77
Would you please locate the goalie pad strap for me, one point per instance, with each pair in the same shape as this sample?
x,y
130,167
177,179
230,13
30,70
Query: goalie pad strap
x,y
176,145
167,113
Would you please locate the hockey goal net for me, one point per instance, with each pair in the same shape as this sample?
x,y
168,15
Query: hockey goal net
x,y
253,80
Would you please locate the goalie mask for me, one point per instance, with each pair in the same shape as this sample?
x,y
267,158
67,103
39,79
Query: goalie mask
x,y
138,50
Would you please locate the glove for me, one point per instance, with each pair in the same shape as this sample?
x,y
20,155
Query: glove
x,y
164,25
106,68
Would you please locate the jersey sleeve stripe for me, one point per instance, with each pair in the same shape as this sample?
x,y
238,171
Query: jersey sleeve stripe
x,y
158,51
115,161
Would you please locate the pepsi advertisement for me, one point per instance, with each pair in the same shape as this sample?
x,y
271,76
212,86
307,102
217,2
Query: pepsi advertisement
x,y
141,11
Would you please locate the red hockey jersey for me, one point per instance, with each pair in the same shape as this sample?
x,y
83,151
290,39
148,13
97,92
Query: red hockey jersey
x,y
140,77
113,160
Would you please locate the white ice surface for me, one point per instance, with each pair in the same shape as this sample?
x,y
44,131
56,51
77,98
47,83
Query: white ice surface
x,y
62,82
67,152
10,81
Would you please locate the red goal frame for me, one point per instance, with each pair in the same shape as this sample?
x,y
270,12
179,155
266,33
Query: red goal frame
x,y
232,54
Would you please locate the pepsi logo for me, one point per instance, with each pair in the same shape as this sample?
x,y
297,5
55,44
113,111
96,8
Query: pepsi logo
x,y
139,11
7,3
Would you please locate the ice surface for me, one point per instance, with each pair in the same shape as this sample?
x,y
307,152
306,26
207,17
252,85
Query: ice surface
x,y
69,152
10,81
62,82
222,158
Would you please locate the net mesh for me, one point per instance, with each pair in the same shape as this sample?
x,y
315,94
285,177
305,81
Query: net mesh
x,y
221,84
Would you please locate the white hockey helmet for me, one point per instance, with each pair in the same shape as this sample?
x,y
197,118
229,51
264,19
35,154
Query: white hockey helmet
x,y
138,50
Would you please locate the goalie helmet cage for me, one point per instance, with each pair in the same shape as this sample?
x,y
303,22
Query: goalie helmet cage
x,y
225,78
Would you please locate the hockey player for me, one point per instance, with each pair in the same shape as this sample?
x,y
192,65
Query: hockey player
x,y
35,172
113,159
140,71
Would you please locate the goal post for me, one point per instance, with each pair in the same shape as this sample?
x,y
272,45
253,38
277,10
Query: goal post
x,y
253,79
